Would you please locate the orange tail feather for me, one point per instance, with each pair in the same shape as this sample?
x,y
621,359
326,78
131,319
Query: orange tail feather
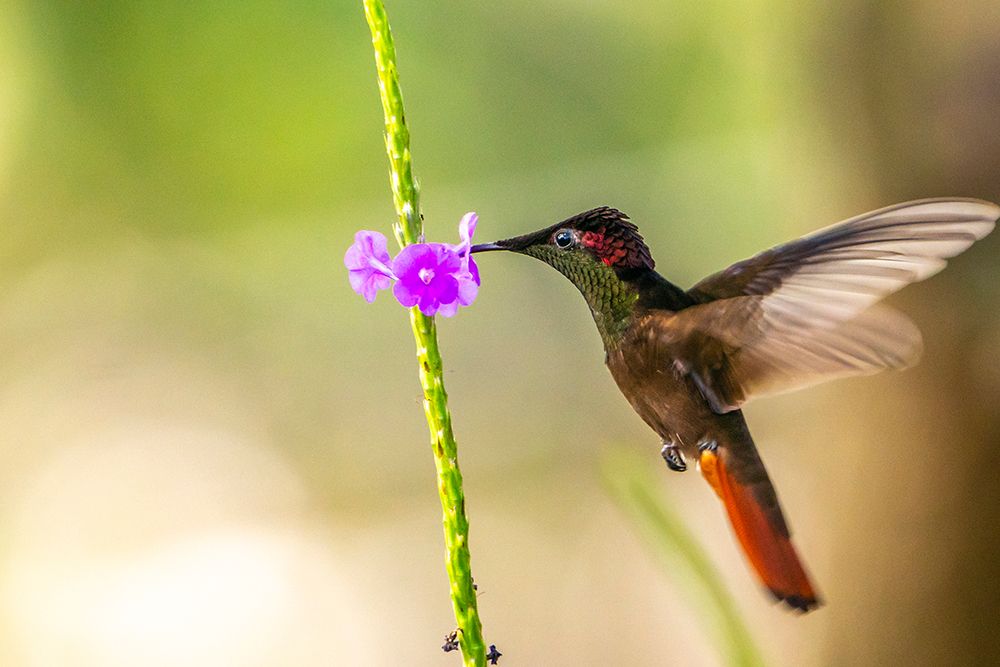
x,y
768,548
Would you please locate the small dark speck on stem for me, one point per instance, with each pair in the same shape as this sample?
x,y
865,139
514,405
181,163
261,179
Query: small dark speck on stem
x,y
450,642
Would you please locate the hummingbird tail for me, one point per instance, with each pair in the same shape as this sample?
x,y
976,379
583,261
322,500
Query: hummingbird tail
x,y
761,532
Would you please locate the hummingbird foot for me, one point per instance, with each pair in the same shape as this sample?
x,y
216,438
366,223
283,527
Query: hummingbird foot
x,y
673,457
709,446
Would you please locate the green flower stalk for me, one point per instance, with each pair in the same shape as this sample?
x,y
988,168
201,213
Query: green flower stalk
x,y
409,230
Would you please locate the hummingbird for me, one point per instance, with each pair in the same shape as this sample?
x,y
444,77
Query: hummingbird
x,y
787,318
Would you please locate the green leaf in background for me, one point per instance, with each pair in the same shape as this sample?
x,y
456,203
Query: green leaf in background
x,y
637,494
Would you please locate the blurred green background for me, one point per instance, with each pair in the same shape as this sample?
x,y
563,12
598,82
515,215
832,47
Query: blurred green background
x,y
213,452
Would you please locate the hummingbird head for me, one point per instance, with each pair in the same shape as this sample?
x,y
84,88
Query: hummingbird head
x,y
600,251
601,238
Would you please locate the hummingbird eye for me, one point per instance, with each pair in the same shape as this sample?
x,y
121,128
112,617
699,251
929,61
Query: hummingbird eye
x,y
564,238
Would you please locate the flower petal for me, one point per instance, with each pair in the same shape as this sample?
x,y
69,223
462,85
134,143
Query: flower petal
x,y
377,246
367,262
354,258
467,227
368,249
429,304
474,271
448,260
412,258
448,309
444,287
357,278
467,291
406,294
374,283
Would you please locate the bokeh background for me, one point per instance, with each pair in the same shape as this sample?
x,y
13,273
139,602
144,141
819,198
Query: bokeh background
x,y
212,452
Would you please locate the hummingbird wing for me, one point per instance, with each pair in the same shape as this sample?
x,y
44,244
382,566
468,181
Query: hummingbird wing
x,y
801,313
756,356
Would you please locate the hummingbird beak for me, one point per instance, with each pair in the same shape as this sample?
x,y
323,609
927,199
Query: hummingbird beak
x,y
515,244
486,247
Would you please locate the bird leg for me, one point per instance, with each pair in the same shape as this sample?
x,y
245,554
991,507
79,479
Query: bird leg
x,y
672,455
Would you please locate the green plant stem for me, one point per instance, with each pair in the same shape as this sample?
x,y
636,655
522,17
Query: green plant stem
x,y
409,229
639,497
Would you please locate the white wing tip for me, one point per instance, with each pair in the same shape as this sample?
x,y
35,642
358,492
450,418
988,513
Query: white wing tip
x,y
979,215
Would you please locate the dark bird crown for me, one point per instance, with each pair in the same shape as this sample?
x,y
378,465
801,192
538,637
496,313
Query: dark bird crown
x,y
610,235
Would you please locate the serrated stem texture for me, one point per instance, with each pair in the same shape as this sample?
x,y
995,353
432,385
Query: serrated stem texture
x,y
409,229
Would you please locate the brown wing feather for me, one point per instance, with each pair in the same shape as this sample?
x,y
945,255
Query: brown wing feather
x,y
763,354
801,313
870,256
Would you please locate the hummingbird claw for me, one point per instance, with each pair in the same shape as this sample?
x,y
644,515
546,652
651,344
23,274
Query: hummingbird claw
x,y
673,457
709,446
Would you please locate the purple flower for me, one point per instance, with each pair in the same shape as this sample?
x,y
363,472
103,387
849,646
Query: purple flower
x,y
427,275
367,262
435,277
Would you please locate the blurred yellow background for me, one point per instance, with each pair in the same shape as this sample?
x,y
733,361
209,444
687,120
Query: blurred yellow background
x,y
213,452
